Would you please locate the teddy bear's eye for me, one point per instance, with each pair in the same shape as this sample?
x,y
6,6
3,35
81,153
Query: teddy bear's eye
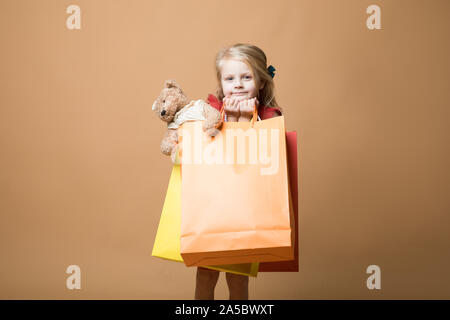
x,y
164,101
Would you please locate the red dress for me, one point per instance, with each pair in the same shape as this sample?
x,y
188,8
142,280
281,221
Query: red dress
x,y
263,112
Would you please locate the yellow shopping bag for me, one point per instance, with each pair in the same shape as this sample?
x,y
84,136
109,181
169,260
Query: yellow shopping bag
x,y
167,240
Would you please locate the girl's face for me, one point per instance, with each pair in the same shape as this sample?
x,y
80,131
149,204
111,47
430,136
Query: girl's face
x,y
237,80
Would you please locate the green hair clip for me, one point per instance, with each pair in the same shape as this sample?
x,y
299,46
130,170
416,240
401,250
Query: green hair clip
x,y
271,70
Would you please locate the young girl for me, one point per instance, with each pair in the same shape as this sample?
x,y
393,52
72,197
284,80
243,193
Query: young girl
x,y
244,82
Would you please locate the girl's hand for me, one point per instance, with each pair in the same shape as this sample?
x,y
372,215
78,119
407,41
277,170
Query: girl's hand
x,y
246,109
231,107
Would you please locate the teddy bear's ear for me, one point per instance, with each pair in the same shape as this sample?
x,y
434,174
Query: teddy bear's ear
x,y
171,84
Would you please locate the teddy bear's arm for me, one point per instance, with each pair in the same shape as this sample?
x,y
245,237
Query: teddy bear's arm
x,y
213,121
169,142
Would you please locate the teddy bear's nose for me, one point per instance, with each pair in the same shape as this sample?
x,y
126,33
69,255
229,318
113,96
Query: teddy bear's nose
x,y
163,112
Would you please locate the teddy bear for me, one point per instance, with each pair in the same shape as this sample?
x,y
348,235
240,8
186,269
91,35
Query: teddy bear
x,y
174,107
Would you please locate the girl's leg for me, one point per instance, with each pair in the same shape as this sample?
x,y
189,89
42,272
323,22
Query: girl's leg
x,y
205,283
238,286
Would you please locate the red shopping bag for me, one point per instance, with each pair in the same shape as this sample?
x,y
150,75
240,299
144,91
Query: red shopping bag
x,y
292,265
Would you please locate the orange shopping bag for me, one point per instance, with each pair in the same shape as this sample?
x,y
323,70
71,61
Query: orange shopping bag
x,y
235,197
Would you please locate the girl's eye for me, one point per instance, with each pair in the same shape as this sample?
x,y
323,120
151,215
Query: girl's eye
x,y
229,78
248,77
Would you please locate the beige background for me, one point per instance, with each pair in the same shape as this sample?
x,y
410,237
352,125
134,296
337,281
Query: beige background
x,y
82,180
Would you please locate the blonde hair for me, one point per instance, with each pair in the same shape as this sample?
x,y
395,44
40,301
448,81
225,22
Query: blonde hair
x,y
256,59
